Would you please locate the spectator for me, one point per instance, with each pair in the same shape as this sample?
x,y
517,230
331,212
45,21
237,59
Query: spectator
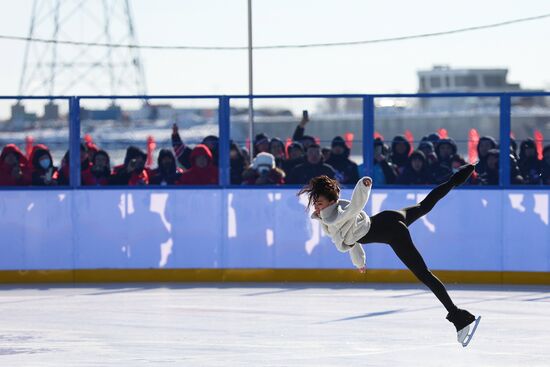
x,y
202,171
212,142
99,173
295,157
545,170
238,162
416,172
313,167
485,144
14,170
490,174
277,149
346,170
183,152
529,164
263,171
43,172
383,171
400,149
445,151
167,172
133,171
85,164
261,144
426,147
299,136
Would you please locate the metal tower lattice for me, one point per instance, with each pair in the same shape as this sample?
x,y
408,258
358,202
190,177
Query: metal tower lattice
x,y
60,69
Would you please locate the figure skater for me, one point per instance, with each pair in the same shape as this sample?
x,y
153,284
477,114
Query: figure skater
x,y
349,227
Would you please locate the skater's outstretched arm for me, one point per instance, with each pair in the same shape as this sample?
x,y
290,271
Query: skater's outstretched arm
x,y
357,256
359,198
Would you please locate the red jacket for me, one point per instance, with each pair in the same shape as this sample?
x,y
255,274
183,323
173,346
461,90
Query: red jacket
x,y
36,172
200,175
6,177
89,179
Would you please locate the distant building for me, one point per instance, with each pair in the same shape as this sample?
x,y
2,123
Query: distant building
x,y
51,111
19,115
444,79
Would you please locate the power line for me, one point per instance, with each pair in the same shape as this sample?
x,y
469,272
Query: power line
x,y
271,47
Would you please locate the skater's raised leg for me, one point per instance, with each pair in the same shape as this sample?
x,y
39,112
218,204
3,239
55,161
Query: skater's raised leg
x,y
414,212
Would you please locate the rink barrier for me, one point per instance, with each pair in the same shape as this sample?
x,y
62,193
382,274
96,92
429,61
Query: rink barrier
x,y
266,275
224,121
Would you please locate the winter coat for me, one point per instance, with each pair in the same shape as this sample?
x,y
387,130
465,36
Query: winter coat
x,y
6,177
200,175
346,222
160,176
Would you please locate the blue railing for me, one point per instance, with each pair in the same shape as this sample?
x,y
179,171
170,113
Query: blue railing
x,y
224,121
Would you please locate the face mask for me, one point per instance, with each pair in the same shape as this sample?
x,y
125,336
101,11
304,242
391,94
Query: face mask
x,y
45,163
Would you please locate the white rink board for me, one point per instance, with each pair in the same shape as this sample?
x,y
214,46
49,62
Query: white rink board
x,y
268,325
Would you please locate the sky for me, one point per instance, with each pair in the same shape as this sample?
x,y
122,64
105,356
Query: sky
x,y
377,68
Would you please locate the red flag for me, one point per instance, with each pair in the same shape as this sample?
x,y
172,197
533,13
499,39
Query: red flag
x,y
151,145
410,138
317,140
443,134
247,144
539,138
88,139
29,142
473,140
348,137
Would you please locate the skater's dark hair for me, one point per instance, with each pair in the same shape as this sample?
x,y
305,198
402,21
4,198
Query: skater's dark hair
x,y
321,186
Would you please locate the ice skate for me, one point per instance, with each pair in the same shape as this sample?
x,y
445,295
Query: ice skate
x,y
463,320
462,174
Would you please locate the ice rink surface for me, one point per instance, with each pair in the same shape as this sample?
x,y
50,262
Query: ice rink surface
x,y
268,325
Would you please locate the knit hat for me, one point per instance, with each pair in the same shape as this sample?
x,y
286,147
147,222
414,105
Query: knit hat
x,y
263,159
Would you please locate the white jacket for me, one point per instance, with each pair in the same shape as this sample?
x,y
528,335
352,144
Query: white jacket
x,y
346,222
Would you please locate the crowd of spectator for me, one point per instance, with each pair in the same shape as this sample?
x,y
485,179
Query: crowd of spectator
x,y
273,162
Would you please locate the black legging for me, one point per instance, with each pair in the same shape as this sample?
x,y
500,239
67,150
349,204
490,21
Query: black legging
x,y
391,227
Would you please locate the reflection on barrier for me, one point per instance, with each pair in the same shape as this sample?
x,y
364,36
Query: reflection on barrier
x,y
488,230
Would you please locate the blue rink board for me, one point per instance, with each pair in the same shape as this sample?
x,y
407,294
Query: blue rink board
x,y
492,230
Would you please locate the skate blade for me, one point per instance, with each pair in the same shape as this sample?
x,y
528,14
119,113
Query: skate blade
x,y
470,335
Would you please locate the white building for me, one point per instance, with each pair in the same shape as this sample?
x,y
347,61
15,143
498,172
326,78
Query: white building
x,y
444,79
